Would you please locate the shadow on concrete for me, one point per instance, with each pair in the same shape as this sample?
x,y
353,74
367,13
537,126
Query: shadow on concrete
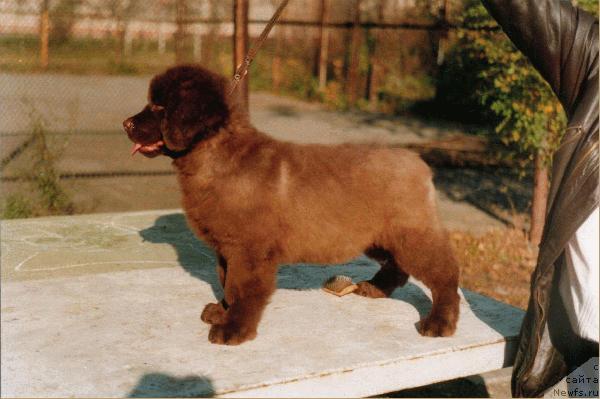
x,y
414,295
283,110
470,387
199,261
157,385
485,309
499,192
192,254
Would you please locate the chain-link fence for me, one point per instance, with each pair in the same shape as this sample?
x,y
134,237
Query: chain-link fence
x,y
395,40
72,70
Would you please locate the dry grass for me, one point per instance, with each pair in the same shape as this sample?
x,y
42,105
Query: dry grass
x,y
497,264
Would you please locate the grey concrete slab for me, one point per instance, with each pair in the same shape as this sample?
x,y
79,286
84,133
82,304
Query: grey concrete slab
x,y
108,305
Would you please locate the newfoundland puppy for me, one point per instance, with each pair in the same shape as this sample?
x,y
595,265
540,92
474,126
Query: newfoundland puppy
x,y
261,203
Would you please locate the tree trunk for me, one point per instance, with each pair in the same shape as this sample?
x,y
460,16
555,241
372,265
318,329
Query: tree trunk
x,y
44,34
240,45
354,57
540,199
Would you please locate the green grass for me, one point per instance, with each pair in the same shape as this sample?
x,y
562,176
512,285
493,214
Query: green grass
x,y
17,206
82,57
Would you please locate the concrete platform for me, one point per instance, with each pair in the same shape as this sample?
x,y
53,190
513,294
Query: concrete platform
x,y
108,305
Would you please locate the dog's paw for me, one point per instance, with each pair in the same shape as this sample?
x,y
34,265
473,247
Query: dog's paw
x,y
432,326
228,334
213,313
367,289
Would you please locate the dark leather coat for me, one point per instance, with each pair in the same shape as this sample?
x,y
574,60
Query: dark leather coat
x,y
562,43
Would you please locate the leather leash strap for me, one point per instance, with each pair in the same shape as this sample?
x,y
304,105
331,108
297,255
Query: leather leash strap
x,y
242,69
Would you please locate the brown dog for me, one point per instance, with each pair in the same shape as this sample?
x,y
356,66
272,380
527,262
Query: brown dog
x,y
261,203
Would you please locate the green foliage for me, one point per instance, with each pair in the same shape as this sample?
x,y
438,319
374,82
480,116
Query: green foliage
x,y
296,81
45,179
399,94
45,195
487,76
121,68
334,96
16,206
590,6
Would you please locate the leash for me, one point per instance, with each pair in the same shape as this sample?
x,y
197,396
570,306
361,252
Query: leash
x,y
242,69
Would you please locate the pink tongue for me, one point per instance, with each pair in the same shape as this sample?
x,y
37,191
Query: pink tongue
x,y
135,148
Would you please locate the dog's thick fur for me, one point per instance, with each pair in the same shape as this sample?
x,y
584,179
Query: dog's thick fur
x,y
260,203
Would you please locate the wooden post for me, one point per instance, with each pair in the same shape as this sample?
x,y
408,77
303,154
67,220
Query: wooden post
x,y
324,44
240,45
276,67
316,8
277,62
352,86
127,41
443,34
44,35
180,10
373,76
197,46
540,199
120,40
162,42
209,41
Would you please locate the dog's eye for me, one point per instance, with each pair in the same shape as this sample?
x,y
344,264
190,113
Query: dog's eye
x,y
156,108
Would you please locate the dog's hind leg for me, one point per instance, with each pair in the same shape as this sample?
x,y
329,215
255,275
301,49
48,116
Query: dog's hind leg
x,y
427,255
248,286
387,279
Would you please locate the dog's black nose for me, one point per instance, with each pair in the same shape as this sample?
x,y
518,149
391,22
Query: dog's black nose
x,y
128,124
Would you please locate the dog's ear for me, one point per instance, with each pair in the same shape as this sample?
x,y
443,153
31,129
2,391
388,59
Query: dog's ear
x,y
195,108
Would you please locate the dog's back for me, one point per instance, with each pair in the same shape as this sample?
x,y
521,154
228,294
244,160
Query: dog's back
x,y
300,194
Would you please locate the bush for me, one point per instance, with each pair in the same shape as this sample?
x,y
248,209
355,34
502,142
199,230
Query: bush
x,y
487,79
590,6
44,195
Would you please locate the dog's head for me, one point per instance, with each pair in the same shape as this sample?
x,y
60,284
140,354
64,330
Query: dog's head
x,y
185,105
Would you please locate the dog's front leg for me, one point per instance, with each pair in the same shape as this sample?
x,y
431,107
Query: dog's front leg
x,y
214,313
248,286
